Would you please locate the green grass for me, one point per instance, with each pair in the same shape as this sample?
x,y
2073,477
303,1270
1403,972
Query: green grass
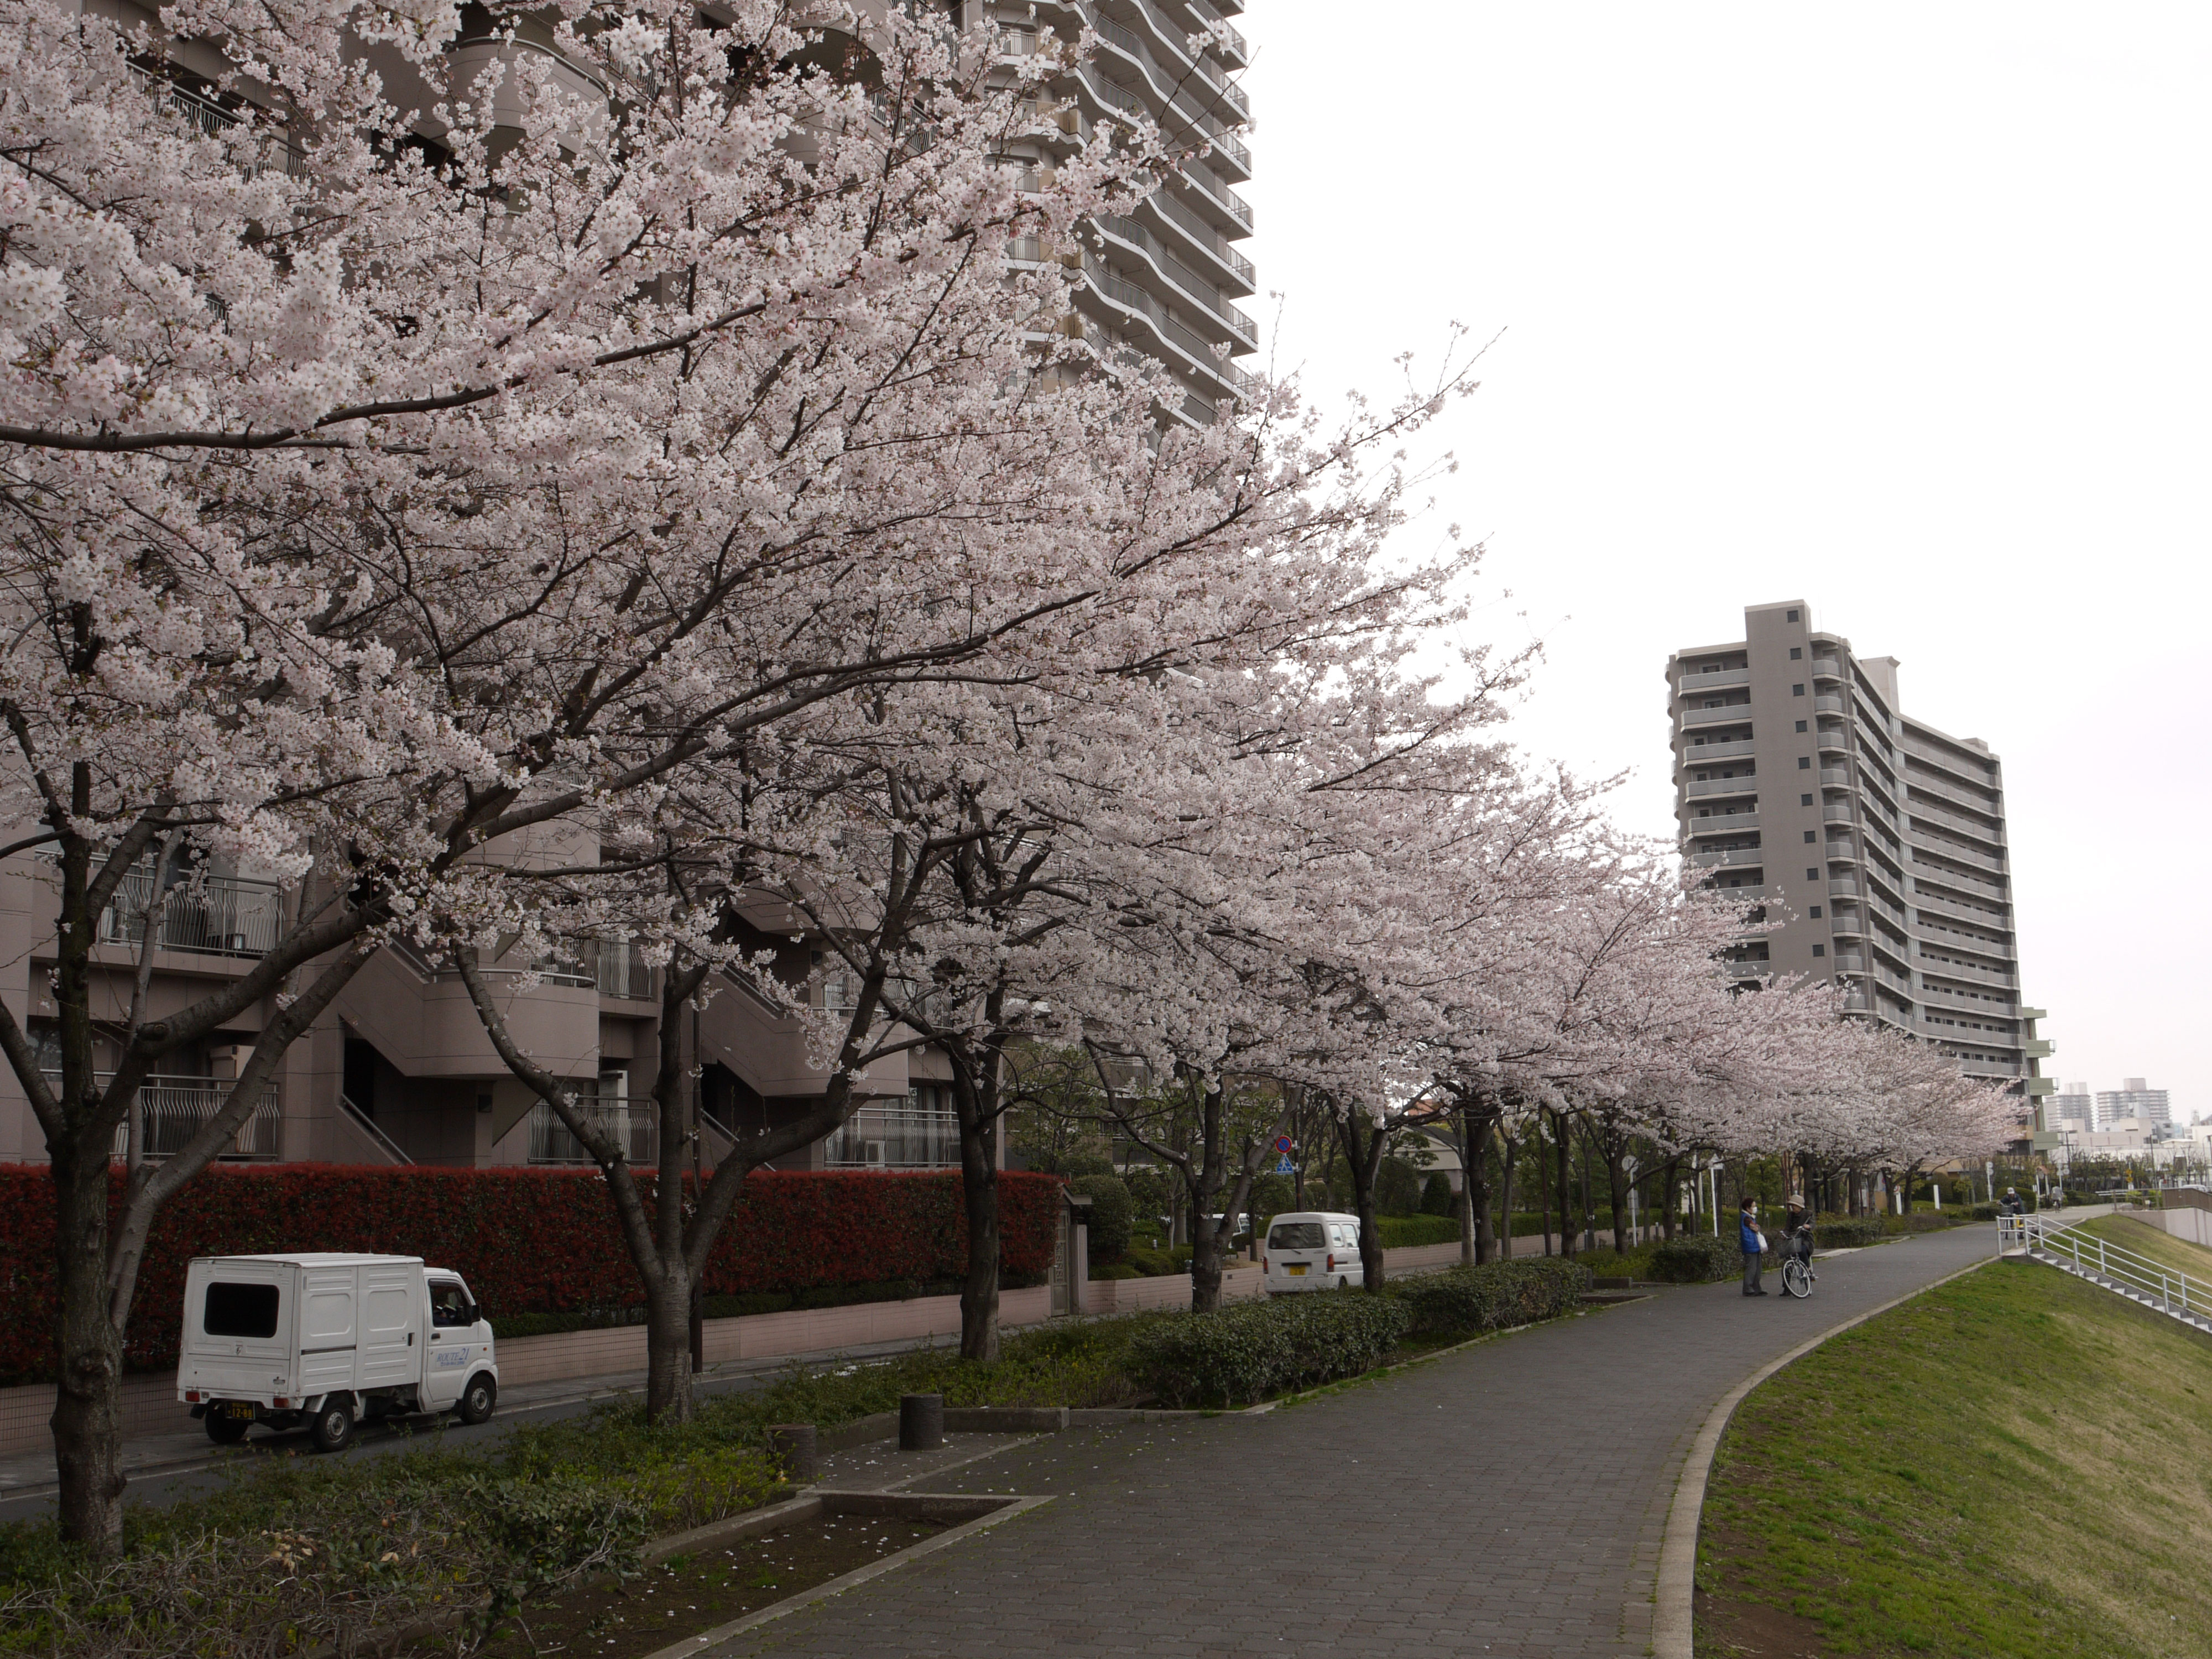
x,y
2015,1463
2147,1239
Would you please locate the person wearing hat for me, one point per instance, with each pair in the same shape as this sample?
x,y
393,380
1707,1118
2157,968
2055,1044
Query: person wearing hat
x,y
1801,1227
2012,1204
1753,1246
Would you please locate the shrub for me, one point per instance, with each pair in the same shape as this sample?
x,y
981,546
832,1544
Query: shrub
x,y
1112,1211
1254,1349
1922,1221
1158,1264
529,1241
1400,1232
1845,1232
1985,1212
1436,1195
1694,1258
1491,1298
1397,1187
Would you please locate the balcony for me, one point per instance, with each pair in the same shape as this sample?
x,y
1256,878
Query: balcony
x,y
621,971
1709,679
1923,807
1828,704
1748,970
1958,855
1836,814
215,915
1923,870
1186,281
1926,899
1745,785
1843,887
896,1138
1189,349
1833,737
1835,777
172,1109
1736,714
1971,973
1734,856
1231,39
1698,754
1849,963
636,1128
1207,241
1723,823
1827,668
1848,927
1840,852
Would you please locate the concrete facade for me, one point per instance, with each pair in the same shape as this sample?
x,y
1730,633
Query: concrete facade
x,y
2134,1098
1875,839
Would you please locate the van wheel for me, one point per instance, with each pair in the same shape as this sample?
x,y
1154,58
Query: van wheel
x,y
332,1429
478,1400
1343,1284
226,1430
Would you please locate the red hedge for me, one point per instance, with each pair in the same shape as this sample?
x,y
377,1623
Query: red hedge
x,y
527,1241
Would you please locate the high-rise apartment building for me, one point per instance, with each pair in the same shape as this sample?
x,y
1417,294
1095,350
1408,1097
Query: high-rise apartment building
x,y
1164,281
2072,1108
2134,1098
1876,840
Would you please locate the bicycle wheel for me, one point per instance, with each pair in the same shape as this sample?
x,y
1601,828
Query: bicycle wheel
x,y
1795,1279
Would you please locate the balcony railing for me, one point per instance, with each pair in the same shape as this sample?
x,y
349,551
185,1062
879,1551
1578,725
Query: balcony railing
x,y
1833,737
1187,280
896,1137
1827,668
172,1109
1745,785
1723,823
214,915
636,1128
1204,234
1737,713
1187,343
1836,777
1705,680
622,972
1733,855
214,121
1829,705
1698,754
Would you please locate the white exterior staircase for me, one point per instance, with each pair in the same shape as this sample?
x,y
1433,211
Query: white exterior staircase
x,y
2121,1271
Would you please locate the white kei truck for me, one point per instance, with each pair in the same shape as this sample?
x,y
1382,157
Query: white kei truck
x,y
329,1340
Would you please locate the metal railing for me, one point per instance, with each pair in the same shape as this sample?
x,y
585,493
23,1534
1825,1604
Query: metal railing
x,y
2115,1267
551,1141
367,1125
215,122
1204,234
172,1109
1187,281
896,1138
212,915
621,971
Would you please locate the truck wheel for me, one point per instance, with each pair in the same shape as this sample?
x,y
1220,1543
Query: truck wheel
x,y
477,1400
333,1425
226,1430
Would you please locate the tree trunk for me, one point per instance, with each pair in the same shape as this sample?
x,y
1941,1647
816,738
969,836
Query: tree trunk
x,y
1506,1159
1205,1256
1543,1185
1670,1189
1475,1242
668,1344
1616,1180
87,1419
1363,1155
1568,1220
979,1192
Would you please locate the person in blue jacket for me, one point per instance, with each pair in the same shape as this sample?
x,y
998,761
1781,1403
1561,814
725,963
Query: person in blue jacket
x,y
1754,1247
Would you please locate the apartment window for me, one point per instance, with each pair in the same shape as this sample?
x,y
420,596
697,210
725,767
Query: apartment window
x,y
1793,615
1819,950
1812,835
1804,800
1796,652
1800,726
1812,875
1804,761
1816,913
1796,690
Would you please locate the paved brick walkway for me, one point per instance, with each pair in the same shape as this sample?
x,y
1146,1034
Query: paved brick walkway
x,y
1508,1499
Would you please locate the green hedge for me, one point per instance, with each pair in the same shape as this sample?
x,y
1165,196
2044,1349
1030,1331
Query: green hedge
x,y
1468,1301
1694,1258
1254,1349
1400,1232
1845,1232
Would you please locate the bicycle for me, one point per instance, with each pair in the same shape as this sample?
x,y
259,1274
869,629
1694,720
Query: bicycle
x,y
1798,1274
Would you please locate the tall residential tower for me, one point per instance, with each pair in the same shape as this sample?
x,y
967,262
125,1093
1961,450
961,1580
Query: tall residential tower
x,y
1879,840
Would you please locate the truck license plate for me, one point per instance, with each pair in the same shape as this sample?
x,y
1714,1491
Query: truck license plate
x,y
237,1408
1296,1270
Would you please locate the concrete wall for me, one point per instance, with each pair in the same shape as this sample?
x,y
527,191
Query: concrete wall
x,y
2190,1222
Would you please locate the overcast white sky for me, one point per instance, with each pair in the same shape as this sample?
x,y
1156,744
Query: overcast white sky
x,y
1905,311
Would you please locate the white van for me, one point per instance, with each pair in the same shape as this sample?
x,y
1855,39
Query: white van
x,y
1311,1251
329,1340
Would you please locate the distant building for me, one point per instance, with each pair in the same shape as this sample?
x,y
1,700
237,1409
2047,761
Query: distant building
x,y
2072,1108
2135,1098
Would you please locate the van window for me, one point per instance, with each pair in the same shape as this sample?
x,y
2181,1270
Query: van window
x,y
247,1311
1297,1235
449,1303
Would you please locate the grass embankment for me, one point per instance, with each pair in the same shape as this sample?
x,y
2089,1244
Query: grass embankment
x,y
2015,1463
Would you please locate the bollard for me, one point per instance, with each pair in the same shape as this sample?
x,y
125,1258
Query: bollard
x,y
792,1444
922,1421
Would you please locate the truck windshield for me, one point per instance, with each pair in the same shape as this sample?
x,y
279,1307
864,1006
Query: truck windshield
x,y
1297,1236
233,1310
449,1303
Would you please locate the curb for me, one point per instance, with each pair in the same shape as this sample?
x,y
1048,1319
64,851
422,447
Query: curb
x,y
1673,1618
